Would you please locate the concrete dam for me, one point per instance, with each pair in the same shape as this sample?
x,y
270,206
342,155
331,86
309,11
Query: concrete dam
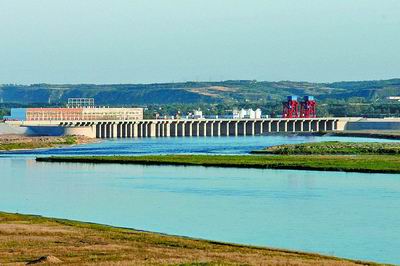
x,y
81,117
182,127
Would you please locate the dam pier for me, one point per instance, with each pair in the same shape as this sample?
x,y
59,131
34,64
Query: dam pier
x,y
203,128
183,127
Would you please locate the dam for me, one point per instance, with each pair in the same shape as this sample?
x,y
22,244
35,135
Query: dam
x,y
81,117
182,127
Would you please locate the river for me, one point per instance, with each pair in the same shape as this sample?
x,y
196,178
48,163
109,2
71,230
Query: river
x,y
352,215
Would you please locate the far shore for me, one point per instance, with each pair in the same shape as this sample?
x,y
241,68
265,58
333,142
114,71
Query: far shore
x,y
376,134
31,239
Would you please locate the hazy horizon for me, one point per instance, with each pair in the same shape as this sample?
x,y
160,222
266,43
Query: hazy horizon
x,y
131,42
201,81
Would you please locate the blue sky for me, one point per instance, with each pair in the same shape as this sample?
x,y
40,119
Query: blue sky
x,y
145,41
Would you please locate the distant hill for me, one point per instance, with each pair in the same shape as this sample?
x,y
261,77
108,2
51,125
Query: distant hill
x,y
235,91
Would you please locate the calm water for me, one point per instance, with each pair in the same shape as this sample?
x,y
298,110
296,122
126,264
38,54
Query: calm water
x,y
215,145
350,215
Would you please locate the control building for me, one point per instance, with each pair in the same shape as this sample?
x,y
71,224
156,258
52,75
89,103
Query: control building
x,y
72,114
77,109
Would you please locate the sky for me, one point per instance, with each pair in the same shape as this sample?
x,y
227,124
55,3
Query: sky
x,y
152,41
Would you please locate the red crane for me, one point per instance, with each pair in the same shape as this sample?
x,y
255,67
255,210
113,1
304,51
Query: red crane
x,y
308,107
291,107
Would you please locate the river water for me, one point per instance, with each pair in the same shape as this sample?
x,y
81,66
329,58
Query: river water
x,y
353,215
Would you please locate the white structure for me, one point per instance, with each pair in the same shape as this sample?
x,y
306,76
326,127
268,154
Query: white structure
x,y
396,98
198,114
258,113
246,114
242,113
251,114
235,114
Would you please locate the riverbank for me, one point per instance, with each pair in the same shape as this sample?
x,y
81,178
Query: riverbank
x,y
334,147
27,238
354,163
21,142
378,134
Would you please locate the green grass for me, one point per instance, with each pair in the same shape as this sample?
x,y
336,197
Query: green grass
x,y
69,140
334,147
22,146
353,163
36,144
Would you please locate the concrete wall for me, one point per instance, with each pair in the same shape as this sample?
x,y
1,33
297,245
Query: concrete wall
x,y
45,131
6,129
374,124
88,131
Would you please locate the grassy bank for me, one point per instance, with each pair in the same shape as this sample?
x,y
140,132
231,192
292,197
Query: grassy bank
x,y
356,163
25,238
334,147
18,142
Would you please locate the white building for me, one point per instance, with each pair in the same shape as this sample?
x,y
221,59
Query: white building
x,y
258,113
242,113
246,114
235,114
251,114
198,114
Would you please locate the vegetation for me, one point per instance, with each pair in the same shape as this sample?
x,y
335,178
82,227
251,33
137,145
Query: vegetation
x,y
364,98
355,163
4,111
334,147
25,238
27,143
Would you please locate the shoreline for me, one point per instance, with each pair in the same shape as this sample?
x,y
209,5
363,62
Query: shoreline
x,y
14,142
389,164
375,134
74,242
378,134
